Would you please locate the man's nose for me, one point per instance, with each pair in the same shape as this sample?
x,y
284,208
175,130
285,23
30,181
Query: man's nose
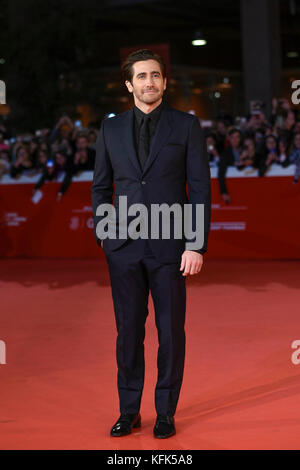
x,y
149,82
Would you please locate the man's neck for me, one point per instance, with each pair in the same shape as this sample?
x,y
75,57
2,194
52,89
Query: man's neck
x,y
145,107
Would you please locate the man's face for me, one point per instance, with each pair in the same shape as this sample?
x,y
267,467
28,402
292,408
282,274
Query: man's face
x,y
221,128
250,144
297,141
81,143
60,159
235,139
148,84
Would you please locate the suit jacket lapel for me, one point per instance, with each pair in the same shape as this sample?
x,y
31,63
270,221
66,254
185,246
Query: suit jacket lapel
x,y
161,135
126,140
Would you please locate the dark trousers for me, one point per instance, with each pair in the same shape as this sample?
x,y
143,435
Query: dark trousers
x,y
133,272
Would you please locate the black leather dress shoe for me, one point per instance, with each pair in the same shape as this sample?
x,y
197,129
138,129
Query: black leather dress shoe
x,y
125,423
164,427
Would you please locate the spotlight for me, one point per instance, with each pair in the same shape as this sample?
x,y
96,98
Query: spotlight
x,y
199,39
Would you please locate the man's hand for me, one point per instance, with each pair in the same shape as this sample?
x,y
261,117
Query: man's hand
x,y
191,262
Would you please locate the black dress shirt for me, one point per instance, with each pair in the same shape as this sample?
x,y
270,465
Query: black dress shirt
x,y
154,117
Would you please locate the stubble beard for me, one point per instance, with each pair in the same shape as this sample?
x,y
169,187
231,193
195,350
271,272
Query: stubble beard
x,y
149,98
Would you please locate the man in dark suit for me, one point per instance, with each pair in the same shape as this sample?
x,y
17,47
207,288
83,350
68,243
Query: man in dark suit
x,y
149,152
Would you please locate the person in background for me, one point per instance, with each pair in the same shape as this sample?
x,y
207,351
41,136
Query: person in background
x,y
283,152
259,138
4,162
92,138
52,170
62,161
62,128
280,109
249,156
41,159
257,121
23,163
83,160
221,134
287,131
43,145
229,157
212,150
270,155
49,174
295,157
61,136
84,156
33,146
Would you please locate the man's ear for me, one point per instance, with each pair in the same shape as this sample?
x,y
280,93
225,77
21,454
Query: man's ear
x,y
129,86
165,83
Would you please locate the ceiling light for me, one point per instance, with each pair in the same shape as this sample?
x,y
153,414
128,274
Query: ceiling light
x,y
199,39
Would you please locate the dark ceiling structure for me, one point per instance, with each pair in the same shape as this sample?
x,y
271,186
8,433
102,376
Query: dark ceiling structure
x,y
72,49
126,22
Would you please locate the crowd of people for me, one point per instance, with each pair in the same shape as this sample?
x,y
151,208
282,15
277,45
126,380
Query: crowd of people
x,y
253,142
65,150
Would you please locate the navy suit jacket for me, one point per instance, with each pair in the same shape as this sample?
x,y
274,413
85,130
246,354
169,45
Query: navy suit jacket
x,y
177,156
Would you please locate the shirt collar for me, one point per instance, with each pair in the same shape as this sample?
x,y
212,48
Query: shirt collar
x,y
154,114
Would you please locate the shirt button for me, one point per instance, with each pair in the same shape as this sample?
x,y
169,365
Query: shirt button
x,y
143,182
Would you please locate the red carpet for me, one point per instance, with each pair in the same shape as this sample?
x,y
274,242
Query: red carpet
x,y
58,387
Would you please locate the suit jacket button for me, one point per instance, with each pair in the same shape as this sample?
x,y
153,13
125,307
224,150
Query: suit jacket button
x,y
143,182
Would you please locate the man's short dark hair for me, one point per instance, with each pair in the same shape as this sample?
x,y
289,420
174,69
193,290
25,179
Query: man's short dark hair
x,y
82,136
136,56
233,131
